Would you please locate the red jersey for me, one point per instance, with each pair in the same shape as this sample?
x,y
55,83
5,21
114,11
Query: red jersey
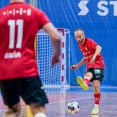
x,y
19,24
88,50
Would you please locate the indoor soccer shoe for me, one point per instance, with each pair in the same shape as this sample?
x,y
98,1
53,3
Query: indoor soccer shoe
x,y
82,83
95,111
94,115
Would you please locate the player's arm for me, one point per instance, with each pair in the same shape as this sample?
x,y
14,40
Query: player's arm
x,y
54,35
98,49
73,67
49,28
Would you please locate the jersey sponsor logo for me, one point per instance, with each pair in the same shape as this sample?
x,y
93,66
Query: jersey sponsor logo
x,y
14,12
10,55
88,57
97,76
97,71
86,49
102,7
86,53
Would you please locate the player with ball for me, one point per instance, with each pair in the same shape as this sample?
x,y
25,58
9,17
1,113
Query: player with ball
x,y
94,71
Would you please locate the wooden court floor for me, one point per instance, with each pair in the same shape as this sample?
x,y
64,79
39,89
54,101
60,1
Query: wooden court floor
x,y
59,97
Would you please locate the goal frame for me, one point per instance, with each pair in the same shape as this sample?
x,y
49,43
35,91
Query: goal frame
x,y
65,58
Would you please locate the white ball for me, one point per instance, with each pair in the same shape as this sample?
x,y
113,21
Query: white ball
x,y
73,107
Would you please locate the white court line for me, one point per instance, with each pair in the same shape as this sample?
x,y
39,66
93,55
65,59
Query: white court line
x,y
69,100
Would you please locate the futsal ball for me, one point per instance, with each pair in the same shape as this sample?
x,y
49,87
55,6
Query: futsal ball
x,y
73,107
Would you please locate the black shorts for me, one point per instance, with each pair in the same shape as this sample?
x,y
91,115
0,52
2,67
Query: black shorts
x,y
30,89
98,73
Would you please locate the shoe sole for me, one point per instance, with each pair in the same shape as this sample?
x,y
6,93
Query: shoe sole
x,y
81,83
94,114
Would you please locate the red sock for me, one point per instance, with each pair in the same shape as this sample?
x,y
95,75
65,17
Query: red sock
x,y
87,81
97,98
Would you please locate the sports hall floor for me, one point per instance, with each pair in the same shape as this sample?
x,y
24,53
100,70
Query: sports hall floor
x,y
59,97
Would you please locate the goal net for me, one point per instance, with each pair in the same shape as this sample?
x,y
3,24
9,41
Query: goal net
x,y
58,75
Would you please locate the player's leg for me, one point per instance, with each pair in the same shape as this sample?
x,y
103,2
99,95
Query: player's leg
x,y
10,96
97,79
38,110
34,95
86,81
14,111
97,94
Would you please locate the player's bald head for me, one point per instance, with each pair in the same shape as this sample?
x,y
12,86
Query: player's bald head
x,y
79,30
79,35
17,1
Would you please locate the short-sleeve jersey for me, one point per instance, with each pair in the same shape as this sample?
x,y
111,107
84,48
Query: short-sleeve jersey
x,y
88,50
19,24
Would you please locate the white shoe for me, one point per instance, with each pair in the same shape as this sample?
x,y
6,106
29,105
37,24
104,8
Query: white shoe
x,y
95,111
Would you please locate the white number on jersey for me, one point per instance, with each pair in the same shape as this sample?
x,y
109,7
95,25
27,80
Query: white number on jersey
x,y
12,24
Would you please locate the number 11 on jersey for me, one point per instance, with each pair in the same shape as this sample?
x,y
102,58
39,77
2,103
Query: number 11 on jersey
x,y
12,24
12,32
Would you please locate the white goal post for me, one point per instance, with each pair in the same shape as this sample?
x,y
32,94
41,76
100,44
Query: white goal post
x,y
59,75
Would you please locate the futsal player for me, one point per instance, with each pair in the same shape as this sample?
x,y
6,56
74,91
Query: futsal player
x,y
94,71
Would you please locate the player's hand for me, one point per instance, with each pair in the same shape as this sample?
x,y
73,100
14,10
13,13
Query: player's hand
x,y
73,67
92,61
55,59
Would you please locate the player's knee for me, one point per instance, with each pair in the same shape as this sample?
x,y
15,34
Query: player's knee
x,y
16,109
88,75
96,87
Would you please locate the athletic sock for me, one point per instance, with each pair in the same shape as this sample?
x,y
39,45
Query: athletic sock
x,y
97,98
87,81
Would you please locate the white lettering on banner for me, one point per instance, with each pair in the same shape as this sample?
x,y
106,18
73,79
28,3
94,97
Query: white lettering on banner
x,y
10,55
114,3
104,10
102,6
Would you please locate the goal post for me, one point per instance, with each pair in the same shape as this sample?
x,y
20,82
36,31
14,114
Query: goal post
x,y
59,75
